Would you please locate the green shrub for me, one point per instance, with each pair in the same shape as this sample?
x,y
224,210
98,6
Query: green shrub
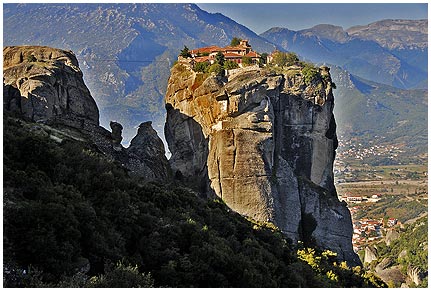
x,y
31,59
217,69
246,61
310,73
201,67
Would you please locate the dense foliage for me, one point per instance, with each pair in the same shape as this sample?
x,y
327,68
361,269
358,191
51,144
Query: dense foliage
x,y
310,73
229,65
246,61
74,219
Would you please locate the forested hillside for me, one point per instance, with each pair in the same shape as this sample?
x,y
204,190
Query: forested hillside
x,y
74,219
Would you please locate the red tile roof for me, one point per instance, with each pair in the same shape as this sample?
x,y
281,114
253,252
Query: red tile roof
x,y
208,49
232,55
202,59
234,48
252,55
229,52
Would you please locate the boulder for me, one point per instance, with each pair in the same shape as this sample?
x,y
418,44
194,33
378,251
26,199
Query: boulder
x,y
402,254
391,235
415,274
370,254
384,264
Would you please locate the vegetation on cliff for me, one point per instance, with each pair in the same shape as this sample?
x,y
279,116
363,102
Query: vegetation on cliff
x,y
74,219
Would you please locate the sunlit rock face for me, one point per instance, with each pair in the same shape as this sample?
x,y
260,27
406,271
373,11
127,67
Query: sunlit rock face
x,y
264,143
44,83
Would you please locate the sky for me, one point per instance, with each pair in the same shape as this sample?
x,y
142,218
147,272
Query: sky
x,y
260,17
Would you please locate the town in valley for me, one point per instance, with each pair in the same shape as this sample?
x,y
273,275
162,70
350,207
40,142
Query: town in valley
x,y
379,197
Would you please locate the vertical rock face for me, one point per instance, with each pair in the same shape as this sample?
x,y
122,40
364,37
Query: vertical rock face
x,y
45,83
265,143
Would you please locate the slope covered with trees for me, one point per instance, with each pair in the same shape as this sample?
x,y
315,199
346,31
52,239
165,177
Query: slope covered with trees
x,y
72,218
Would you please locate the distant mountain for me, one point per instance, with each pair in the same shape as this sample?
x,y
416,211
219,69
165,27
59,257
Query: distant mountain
x,y
406,39
378,112
125,50
392,52
394,34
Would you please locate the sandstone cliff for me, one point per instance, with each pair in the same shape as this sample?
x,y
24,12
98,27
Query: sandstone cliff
x,y
46,85
265,143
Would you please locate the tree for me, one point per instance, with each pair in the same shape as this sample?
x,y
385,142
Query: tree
x,y
122,276
279,59
247,61
229,65
310,73
219,58
292,59
262,59
235,41
285,59
185,53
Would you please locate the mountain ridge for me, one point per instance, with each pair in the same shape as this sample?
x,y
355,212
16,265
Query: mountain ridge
x,y
373,51
128,75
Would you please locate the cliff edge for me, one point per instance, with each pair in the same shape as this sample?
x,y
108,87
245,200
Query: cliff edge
x,y
265,143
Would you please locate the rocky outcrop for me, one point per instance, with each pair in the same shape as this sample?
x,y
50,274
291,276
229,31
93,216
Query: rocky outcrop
x,y
384,264
264,143
146,155
44,83
370,254
390,275
391,235
116,134
415,274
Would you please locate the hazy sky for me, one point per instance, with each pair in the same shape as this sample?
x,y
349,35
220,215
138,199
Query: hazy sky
x,y
261,17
